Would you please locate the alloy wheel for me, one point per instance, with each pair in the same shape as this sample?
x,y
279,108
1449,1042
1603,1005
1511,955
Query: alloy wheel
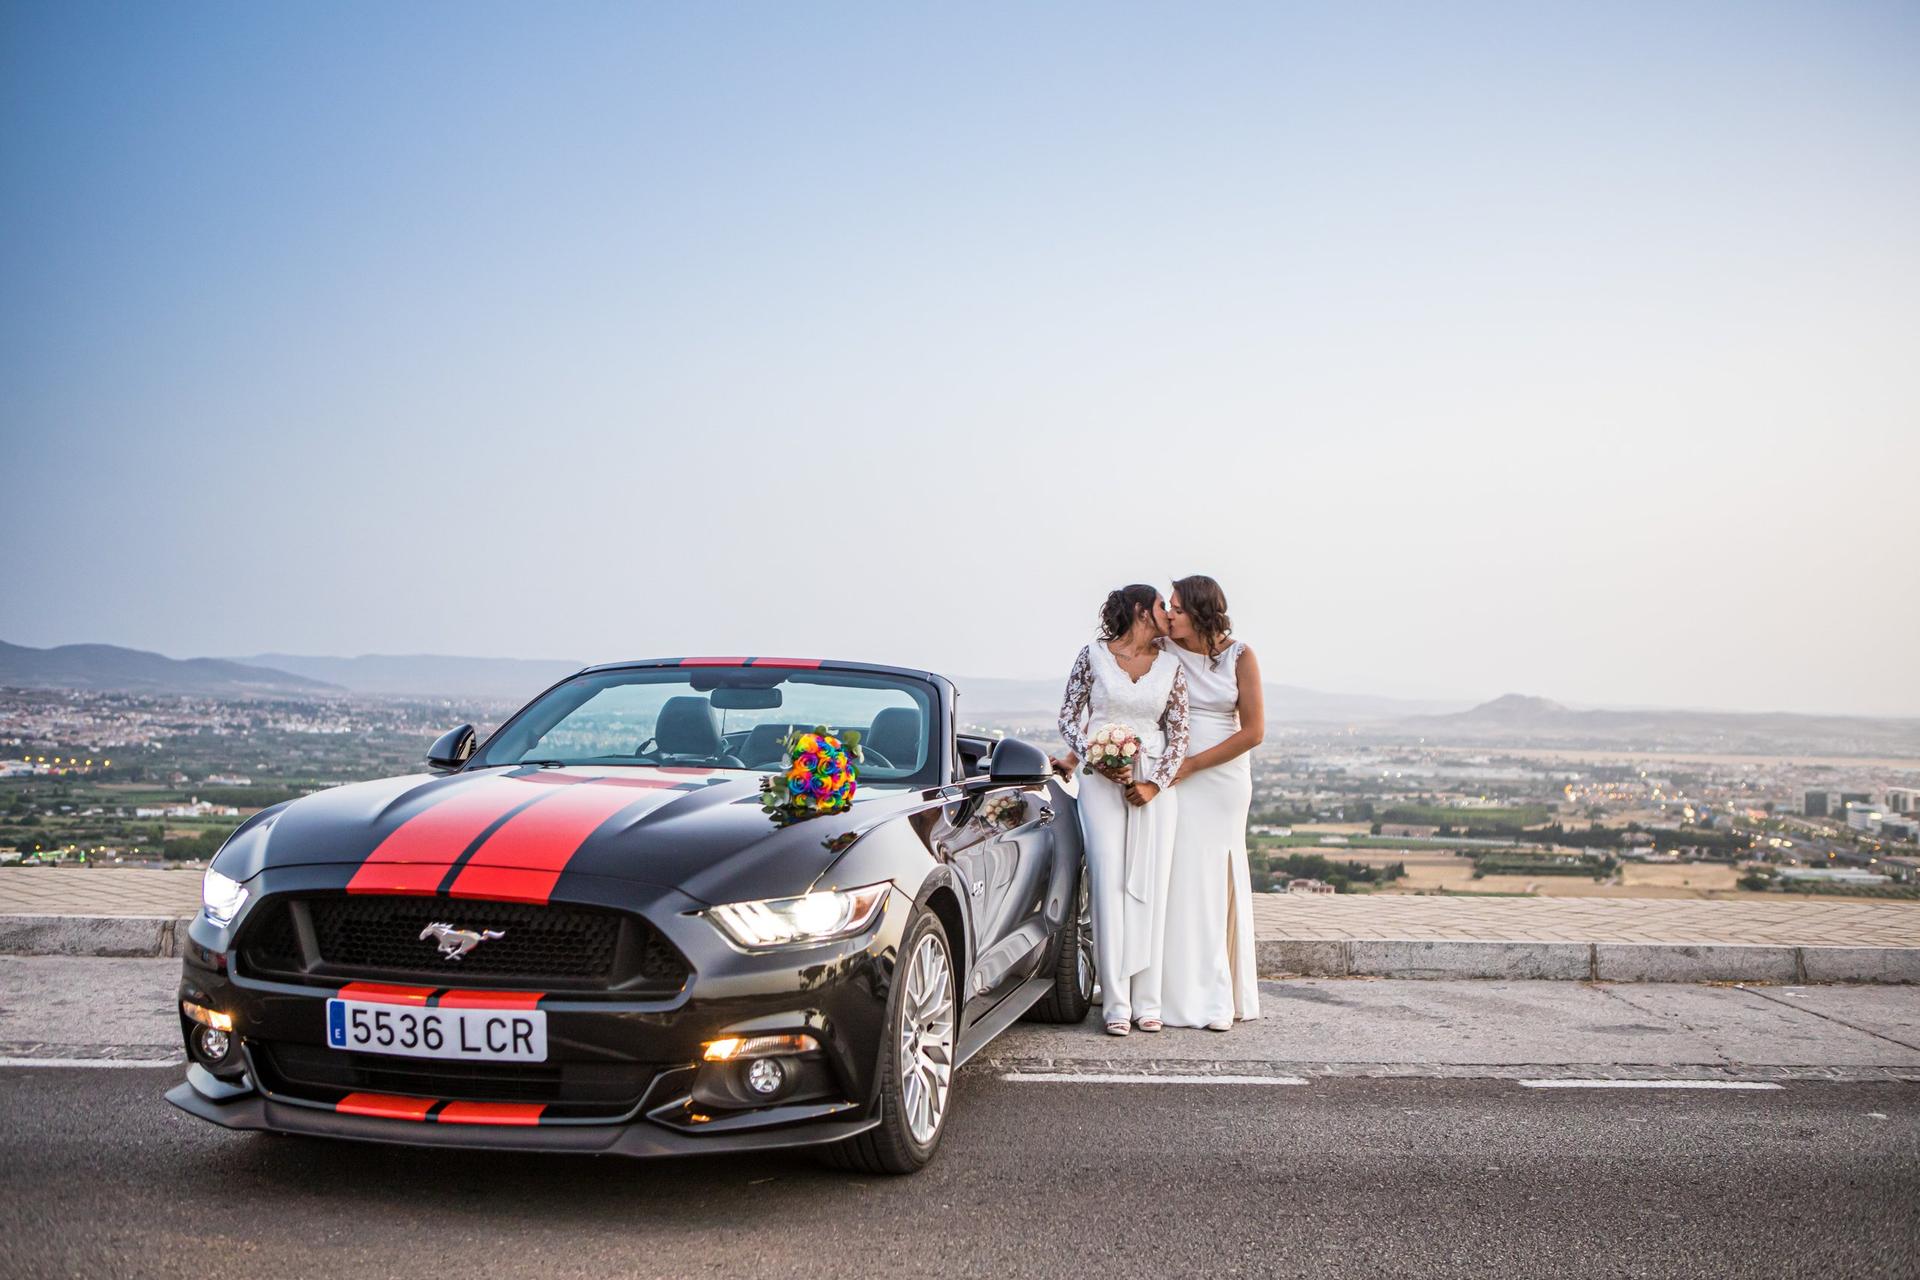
x,y
926,1039
1083,944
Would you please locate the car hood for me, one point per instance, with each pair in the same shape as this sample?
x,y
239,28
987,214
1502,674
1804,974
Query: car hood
x,y
495,832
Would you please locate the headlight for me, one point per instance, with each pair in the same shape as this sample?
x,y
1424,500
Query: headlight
x,y
815,917
222,896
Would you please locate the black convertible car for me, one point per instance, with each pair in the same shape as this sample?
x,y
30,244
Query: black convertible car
x,y
587,935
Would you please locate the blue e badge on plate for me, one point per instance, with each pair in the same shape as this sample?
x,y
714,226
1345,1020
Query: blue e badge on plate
x,y
337,1023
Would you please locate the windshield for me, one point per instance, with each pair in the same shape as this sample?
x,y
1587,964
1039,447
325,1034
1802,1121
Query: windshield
x,y
722,718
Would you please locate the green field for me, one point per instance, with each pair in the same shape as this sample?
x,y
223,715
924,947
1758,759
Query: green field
x,y
1433,815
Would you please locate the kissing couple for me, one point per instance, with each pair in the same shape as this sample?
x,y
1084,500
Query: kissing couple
x,y
1163,707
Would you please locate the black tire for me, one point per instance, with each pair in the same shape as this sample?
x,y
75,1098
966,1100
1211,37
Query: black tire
x,y
892,1146
1071,995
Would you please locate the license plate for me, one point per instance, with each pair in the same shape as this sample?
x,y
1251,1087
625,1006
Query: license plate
x,y
474,1035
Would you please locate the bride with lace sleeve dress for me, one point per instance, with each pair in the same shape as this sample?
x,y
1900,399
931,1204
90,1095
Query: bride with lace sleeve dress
x,y
1127,678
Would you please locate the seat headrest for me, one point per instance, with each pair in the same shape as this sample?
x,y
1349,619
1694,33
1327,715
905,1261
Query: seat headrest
x,y
687,727
896,734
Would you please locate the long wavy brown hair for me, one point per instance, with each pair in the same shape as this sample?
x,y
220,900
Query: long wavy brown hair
x,y
1206,605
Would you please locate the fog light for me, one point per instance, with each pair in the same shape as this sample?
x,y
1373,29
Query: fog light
x,y
214,1044
766,1077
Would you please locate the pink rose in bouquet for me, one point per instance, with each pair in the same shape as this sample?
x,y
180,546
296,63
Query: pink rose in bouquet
x,y
1111,751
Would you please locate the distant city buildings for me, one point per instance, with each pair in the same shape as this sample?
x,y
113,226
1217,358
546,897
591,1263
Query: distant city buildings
x,y
195,808
1899,828
1833,804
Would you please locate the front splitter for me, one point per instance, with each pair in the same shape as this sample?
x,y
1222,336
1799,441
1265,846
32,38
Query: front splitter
x,y
247,1109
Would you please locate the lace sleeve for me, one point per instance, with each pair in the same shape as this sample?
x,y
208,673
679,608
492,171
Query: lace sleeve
x,y
1174,722
1073,707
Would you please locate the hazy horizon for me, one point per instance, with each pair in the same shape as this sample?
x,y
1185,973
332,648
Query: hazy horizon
x,y
1554,350
1434,704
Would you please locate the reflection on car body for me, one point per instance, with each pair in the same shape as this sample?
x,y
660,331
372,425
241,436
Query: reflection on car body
x,y
702,978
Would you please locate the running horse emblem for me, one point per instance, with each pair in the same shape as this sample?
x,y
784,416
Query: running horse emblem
x,y
455,943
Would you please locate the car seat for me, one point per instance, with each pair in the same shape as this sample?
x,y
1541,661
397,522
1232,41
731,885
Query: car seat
x,y
897,735
688,732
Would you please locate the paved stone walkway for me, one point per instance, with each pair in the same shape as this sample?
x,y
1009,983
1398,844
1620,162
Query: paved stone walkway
x,y
1798,922
98,891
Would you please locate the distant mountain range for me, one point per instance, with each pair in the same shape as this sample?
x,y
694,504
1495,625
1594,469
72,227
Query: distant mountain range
x,y
109,667
1286,704
1517,717
101,666
1511,719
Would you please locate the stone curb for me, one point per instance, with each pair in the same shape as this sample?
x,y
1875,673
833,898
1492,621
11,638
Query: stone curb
x,y
125,936
160,937
1583,961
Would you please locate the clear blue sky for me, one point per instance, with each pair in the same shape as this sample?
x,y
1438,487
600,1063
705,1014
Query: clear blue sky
x,y
1566,349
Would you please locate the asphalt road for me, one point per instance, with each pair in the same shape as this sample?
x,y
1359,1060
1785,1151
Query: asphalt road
x,y
1336,1177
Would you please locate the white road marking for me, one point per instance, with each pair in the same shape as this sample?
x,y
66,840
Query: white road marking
x,y
1120,1077
92,1062
1647,1084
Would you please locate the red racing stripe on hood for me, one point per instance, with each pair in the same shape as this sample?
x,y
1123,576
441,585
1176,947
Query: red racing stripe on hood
x,y
414,857
523,860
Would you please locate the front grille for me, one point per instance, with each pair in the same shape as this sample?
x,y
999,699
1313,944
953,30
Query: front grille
x,y
536,942
556,948
314,1072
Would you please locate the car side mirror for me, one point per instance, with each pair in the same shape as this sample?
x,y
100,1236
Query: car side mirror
x,y
451,749
1016,760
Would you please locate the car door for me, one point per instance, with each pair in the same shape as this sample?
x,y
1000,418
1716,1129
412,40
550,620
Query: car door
x,y
998,842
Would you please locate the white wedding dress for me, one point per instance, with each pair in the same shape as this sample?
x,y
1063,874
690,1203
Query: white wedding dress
x,y
1129,847
1207,969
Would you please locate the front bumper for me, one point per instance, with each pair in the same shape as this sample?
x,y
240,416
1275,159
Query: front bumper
x,y
623,1076
200,1094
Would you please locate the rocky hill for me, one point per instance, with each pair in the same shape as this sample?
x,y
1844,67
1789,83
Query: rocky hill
x,y
110,667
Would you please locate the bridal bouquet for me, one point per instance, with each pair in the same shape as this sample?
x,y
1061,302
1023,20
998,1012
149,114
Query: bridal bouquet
x,y
819,778
1111,751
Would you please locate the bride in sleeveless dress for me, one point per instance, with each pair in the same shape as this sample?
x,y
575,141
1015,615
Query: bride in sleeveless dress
x,y
1208,977
1127,824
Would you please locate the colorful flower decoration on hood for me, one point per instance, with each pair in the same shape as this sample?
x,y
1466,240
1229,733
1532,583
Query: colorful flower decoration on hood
x,y
820,777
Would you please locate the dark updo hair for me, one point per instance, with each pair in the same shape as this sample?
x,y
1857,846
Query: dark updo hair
x,y
1206,604
1122,607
